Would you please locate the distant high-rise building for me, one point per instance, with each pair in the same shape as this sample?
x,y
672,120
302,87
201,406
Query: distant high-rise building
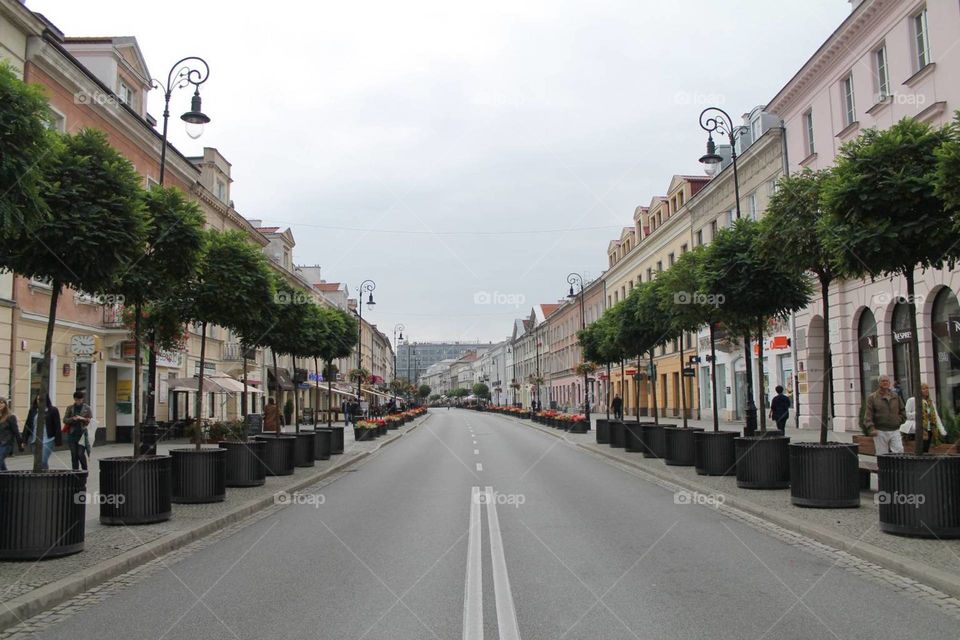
x,y
414,358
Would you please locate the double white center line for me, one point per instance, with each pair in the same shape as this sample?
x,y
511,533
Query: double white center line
x,y
473,591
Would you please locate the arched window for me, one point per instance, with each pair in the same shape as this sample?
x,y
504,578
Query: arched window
x,y
869,354
946,350
902,371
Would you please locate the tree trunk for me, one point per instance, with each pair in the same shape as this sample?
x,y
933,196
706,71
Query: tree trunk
x,y
243,396
713,376
137,364
653,388
761,392
203,363
827,361
296,397
606,396
276,383
329,394
748,372
636,393
40,429
623,389
316,394
683,386
915,364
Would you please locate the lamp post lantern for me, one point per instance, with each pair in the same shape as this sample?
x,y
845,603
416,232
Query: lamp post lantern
x,y
191,70
368,287
577,279
398,328
716,120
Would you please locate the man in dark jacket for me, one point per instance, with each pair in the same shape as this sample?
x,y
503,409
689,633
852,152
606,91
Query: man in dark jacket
x,y
76,418
617,408
780,409
882,418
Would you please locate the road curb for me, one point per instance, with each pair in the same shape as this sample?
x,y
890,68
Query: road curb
x,y
49,595
908,567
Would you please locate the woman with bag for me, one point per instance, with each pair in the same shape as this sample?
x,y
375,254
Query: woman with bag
x,y
9,433
931,427
48,435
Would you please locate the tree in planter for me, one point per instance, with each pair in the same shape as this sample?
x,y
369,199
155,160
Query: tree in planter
x,y
793,233
98,231
26,145
344,330
174,238
885,200
599,344
229,289
752,288
423,391
482,391
290,336
643,328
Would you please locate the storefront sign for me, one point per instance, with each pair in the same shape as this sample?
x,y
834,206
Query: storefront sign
x,y
689,372
900,337
124,390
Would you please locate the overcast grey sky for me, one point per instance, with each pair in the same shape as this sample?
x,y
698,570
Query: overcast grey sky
x,y
449,149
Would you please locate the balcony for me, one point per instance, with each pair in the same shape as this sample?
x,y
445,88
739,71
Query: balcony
x,y
233,351
113,316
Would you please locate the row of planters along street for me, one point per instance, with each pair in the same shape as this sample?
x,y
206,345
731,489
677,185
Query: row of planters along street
x,y
73,191
889,206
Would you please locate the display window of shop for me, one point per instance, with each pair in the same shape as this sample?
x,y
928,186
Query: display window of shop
x,y
902,370
945,327
868,352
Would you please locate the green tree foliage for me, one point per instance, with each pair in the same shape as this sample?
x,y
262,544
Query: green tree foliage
x,y
423,391
481,390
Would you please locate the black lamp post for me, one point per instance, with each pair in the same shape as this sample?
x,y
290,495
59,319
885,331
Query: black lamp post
x,y
396,347
577,279
191,70
537,337
714,119
367,286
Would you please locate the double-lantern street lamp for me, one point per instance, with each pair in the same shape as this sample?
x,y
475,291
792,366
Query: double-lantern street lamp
x,y
577,279
714,119
399,328
367,286
191,70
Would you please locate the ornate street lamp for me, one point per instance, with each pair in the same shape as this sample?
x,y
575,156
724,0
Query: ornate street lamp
x,y
367,286
398,328
577,279
191,70
714,119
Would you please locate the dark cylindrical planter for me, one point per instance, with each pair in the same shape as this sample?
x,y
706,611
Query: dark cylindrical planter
x,y
245,463
42,515
825,475
321,444
632,437
278,456
763,462
679,448
303,453
603,431
199,475
336,440
144,484
617,434
919,495
581,426
654,441
714,453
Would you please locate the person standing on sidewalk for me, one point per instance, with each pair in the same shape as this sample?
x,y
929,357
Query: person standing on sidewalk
x,y
76,419
882,418
49,434
780,409
9,433
931,426
271,416
617,407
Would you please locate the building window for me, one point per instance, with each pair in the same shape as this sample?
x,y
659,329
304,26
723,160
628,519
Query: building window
x,y
649,274
846,95
882,73
683,249
729,218
699,237
659,266
125,94
670,260
946,352
869,354
808,133
57,121
921,39
752,206
713,230
221,190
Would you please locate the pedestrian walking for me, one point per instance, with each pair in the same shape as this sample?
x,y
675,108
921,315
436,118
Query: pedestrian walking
x,y
883,416
931,427
76,419
617,407
780,409
49,434
9,433
271,416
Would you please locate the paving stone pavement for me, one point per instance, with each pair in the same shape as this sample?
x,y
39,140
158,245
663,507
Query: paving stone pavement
x,y
105,542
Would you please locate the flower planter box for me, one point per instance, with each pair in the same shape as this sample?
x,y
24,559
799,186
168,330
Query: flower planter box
x,y
714,453
579,426
42,515
763,462
278,456
364,435
603,431
199,475
824,476
144,484
245,463
303,455
381,429
322,444
654,441
679,448
617,434
336,440
919,495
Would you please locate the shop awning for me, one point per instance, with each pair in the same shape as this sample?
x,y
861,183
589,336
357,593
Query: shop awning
x,y
212,383
286,382
378,393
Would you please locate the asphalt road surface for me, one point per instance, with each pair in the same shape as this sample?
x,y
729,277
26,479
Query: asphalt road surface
x,y
474,526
